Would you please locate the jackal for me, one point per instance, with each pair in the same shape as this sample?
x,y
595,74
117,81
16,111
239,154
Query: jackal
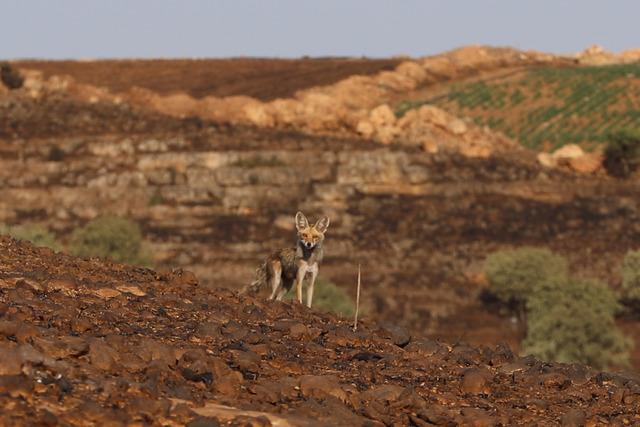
x,y
287,266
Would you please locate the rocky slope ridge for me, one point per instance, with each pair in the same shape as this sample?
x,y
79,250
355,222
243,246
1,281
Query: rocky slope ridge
x,y
85,342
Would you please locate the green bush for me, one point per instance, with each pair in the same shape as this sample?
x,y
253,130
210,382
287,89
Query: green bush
x,y
37,234
329,298
622,152
573,321
110,237
513,274
631,275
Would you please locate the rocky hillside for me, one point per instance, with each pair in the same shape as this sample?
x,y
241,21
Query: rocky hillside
x,y
215,200
418,201
85,342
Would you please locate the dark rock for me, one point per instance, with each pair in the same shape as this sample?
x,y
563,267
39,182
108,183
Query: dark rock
x,y
248,421
64,385
366,356
203,422
191,375
399,335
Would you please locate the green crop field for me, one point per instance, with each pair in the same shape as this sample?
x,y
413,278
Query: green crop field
x,y
545,108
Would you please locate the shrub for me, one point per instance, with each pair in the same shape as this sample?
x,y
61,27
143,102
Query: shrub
x,y
513,274
573,321
10,76
37,234
110,237
631,275
330,298
622,152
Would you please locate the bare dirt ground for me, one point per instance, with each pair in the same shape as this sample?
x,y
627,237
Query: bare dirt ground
x,y
85,342
264,79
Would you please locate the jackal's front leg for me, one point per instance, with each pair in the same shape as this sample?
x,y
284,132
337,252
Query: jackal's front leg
x,y
302,271
312,282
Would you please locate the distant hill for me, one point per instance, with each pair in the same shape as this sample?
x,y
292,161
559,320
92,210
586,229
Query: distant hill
x,y
549,106
261,78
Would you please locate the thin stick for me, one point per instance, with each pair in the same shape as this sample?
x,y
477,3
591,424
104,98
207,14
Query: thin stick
x,y
355,321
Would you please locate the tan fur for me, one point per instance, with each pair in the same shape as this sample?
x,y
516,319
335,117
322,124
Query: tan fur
x,y
286,267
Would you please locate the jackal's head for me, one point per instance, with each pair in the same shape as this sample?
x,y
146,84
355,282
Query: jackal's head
x,y
311,236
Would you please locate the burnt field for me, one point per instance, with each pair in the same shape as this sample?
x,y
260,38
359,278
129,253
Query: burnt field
x,y
264,79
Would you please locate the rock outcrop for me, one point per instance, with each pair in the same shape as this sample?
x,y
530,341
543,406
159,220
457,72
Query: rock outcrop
x,y
572,156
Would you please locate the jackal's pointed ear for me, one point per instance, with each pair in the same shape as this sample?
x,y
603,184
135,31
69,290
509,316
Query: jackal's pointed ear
x,y
301,221
322,224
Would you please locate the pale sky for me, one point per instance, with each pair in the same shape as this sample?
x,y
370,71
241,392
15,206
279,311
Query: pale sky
x,y
293,28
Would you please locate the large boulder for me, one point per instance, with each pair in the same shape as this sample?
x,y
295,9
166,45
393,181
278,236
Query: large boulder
x,y
569,151
588,163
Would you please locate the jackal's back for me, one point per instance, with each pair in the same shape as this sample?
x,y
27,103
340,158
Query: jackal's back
x,y
282,260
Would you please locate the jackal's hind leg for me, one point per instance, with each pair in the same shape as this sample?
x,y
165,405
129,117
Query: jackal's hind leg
x,y
275,279
281,293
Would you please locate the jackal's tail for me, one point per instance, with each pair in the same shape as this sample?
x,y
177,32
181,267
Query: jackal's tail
x,y
258,283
